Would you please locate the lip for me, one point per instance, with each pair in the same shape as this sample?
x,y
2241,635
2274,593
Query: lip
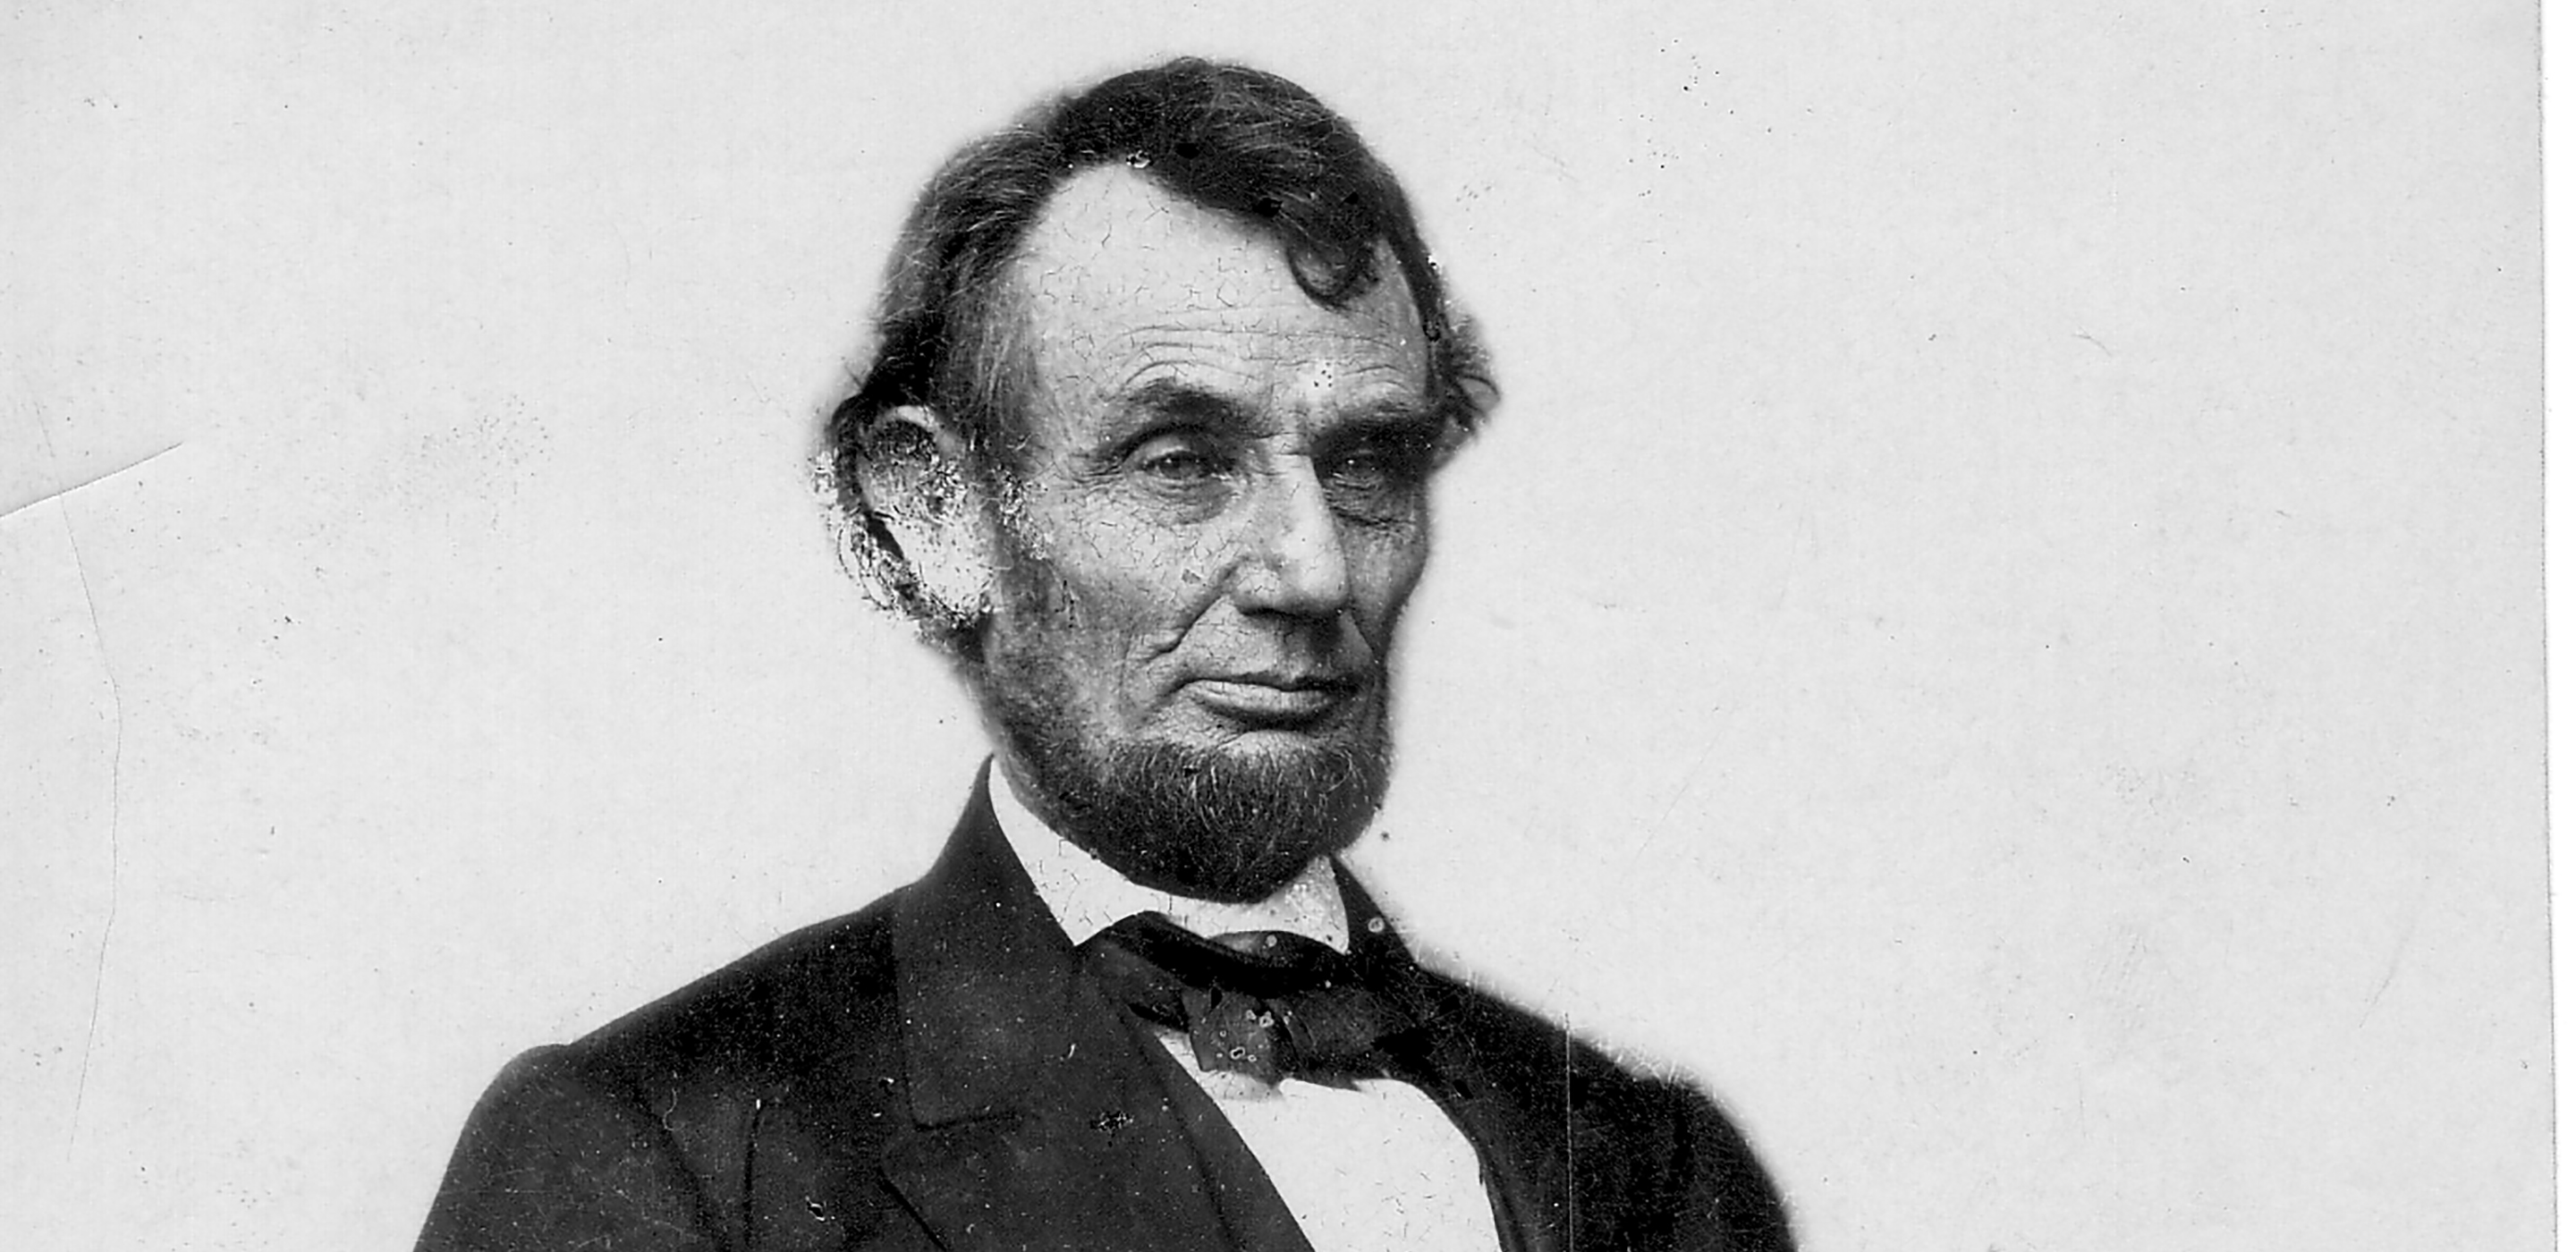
x,y
1274,699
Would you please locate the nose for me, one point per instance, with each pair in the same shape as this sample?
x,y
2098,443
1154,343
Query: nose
x,y
1293,563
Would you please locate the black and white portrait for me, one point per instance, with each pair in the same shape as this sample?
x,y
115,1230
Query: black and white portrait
x,y
1151,626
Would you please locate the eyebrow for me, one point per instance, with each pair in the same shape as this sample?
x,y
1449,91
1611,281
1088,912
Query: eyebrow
x,y
1171,399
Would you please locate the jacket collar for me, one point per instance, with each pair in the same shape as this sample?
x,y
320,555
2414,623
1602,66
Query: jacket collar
x,y
986,982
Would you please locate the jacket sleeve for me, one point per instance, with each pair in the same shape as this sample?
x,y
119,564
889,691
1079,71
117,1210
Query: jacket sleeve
x,y
550,1161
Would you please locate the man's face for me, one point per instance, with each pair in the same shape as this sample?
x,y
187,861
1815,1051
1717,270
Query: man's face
x,y
1224,509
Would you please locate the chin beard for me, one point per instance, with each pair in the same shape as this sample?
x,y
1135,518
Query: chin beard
x,y
1210,823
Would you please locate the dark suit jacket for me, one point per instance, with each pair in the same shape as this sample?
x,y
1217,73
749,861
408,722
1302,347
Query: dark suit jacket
x,y
934,1072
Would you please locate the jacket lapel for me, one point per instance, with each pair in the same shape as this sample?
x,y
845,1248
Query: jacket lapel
x,y
1523,1155
1040,1119
1521,1149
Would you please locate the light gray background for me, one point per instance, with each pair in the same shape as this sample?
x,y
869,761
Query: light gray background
x,y
1998,624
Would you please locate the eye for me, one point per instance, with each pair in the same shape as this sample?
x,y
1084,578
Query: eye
x,y
1380,465
1177,458
1367,470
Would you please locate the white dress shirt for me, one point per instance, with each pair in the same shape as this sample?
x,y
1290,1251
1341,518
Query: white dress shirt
x,y
1379,1167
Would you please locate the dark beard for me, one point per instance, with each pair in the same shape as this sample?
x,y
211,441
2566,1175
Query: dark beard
x,y
1200,822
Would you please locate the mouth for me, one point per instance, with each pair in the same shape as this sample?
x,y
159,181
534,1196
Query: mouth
x,y
1276,699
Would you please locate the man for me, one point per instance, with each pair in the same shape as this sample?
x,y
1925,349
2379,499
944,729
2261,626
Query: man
x,y
1163,375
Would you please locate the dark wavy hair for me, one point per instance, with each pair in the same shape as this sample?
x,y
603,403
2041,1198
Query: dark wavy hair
x,y
1236,140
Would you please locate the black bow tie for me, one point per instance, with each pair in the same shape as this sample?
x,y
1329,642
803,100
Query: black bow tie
x,y
1265,1003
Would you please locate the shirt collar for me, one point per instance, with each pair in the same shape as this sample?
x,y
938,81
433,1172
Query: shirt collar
x,y
1088,897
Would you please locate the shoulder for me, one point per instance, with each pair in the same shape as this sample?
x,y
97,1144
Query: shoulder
x,y
1669,1154
634,1134
794,1003
1516,1047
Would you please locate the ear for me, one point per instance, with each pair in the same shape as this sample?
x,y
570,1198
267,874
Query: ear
x,y
913,472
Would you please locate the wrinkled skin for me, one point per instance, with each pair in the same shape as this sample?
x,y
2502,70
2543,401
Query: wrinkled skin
x,y
1223,509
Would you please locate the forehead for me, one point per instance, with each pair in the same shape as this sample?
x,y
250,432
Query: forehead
x,y
1124,283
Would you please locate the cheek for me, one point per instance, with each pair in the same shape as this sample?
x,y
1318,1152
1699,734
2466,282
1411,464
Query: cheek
x,y
1385,563
1102,573
1124,595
